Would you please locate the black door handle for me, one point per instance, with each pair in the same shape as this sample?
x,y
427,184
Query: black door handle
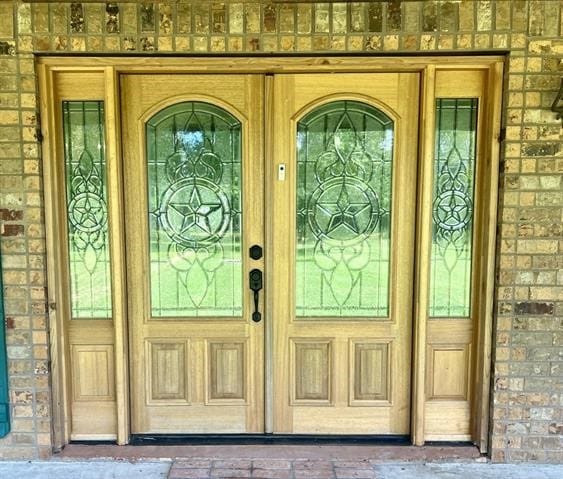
x,y
255,277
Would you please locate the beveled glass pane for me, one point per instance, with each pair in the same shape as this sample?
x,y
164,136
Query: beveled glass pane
x,y
452,207
194,187
344,182
86,194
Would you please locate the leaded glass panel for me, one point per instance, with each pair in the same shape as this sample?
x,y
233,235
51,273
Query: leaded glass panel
x,y
344,183
86,194
194,188
452,208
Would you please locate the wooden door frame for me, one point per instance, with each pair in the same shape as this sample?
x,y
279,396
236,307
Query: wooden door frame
x,y
110,68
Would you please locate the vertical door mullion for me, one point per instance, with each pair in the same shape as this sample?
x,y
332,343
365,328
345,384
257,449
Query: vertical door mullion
x,y
422,254
117,251
269,178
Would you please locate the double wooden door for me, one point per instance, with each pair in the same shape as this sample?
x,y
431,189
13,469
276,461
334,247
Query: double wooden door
x,y
302,187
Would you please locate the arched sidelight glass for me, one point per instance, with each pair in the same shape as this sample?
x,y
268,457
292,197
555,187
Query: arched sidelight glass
x,y
344,190
194,175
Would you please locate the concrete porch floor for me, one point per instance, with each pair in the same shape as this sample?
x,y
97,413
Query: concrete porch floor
x,y
270,461
276,462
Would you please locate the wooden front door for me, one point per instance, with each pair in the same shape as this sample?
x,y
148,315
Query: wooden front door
x,y
193,195
342,230
320,171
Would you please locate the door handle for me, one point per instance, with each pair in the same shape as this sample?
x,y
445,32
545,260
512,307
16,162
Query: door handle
x,y
255,277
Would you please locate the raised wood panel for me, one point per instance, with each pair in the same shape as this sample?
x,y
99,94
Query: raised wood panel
x,y
370,372
448,372
312,366
93,377
167,371
226,371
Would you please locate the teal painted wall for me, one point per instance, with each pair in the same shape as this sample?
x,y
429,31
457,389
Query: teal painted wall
x,y
4,406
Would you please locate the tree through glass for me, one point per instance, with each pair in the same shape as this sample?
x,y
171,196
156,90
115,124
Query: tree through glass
x,y
194,187
344,183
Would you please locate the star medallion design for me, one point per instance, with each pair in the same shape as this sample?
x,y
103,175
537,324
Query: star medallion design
x,y
194,212
343,211
87,212
452,210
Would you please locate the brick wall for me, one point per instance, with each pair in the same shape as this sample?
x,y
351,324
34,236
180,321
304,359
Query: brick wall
x,y
527,402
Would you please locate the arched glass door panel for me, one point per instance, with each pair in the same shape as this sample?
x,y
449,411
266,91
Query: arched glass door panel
x,y
344,191
194,170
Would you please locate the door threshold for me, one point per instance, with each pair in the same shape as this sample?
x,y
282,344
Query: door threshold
x,y
380,452
266,439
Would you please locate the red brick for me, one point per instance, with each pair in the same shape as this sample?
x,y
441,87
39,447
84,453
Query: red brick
x,y
181,473
353,464
271,464
10,215
233,464
13,230
193,463
225,473
312,465
314,474
272,473
354,473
